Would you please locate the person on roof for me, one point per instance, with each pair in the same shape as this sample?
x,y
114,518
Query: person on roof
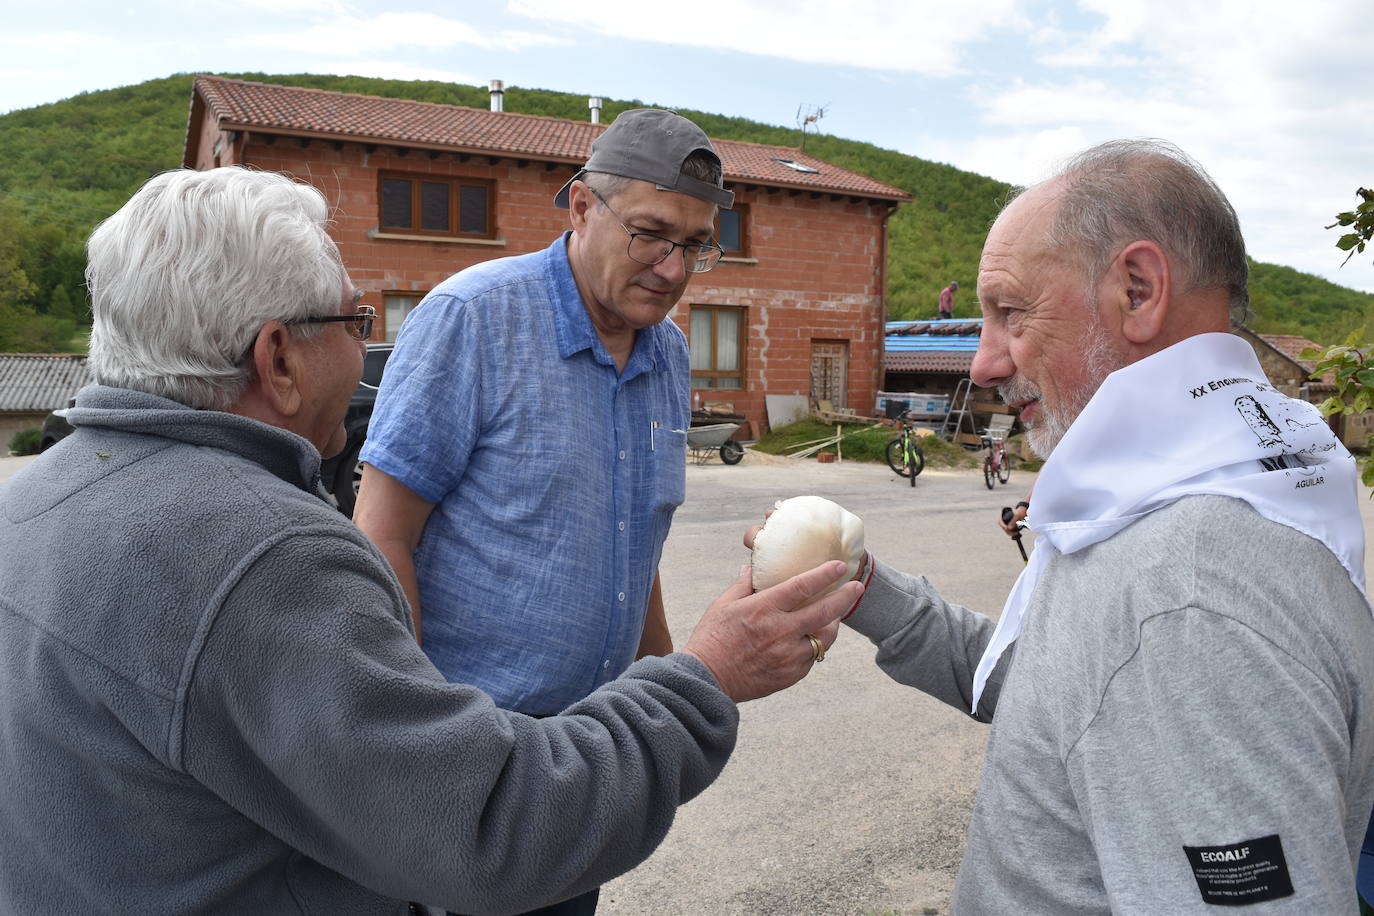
x,y
947,299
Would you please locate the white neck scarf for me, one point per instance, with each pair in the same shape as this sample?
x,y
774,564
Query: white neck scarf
x,y
1199,417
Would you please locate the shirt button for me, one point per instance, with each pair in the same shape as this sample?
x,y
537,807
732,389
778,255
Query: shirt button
x,y
606,664
621,596
621,526
622,454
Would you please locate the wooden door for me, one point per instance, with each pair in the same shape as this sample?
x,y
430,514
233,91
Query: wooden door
x,y
830,372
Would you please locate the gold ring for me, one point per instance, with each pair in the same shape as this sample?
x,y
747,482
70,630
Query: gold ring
x,y
817,648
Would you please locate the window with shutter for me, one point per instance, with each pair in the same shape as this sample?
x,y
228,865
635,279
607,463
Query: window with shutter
x,y
436,205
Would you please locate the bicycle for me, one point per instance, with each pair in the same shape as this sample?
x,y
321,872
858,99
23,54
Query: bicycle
x,y
996,466
904,453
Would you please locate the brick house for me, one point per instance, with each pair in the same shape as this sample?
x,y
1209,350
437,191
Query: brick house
x,y
1278,354
422,191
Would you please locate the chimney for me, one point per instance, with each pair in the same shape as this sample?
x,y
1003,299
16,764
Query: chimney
x,y
498,94
594,104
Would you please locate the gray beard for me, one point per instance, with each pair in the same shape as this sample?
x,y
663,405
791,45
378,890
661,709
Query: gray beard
x,y
1100,360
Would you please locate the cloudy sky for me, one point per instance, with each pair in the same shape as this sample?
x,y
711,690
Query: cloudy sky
x,y
1275,98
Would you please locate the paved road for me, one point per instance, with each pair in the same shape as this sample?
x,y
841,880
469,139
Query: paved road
x,y
10,465
847,793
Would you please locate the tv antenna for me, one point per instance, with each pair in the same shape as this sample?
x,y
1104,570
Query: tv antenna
x,y
807,115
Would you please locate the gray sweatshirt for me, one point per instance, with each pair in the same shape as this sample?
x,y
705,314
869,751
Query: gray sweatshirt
x,y
1187,721
211,702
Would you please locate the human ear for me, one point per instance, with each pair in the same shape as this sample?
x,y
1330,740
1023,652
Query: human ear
x,y
580,201
280,367
1141,274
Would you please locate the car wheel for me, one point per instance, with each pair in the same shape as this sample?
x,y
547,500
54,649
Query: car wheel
x,y
347,478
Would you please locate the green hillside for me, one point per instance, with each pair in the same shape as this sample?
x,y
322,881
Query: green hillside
x,y
66,165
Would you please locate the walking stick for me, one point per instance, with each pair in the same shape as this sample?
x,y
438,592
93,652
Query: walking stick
x,y
1007,515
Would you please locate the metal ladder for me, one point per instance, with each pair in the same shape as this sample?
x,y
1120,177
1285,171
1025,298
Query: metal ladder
x,y
958,410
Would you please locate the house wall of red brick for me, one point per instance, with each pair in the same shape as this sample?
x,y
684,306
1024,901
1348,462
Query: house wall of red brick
x,y
813,271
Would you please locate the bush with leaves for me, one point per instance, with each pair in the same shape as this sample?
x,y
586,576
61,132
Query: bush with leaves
x,y
1352,362
25,442
1361,220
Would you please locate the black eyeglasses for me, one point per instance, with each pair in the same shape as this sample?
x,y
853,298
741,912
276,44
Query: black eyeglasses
x,y
647,248
360,322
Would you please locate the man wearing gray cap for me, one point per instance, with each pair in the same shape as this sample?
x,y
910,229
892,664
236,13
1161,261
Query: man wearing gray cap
x,y
527,450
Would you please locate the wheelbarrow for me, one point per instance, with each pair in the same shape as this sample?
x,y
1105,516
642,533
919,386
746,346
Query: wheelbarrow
x,y
714,437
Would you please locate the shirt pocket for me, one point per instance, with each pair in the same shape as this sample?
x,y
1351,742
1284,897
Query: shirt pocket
x,y
669,468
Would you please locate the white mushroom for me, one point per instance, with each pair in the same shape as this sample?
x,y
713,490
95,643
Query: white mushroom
x,y
802,533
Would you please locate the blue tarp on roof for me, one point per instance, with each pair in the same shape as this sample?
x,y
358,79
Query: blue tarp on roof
x,y
942,345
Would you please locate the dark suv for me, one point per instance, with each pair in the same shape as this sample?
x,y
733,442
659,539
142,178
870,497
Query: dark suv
x,y
55,427
341,473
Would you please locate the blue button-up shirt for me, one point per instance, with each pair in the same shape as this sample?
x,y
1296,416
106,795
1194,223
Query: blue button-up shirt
x,y
555,477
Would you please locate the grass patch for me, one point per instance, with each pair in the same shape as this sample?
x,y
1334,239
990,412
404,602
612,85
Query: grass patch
x,y
861,443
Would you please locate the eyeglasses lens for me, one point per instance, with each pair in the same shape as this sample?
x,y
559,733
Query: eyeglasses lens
x,y
648,249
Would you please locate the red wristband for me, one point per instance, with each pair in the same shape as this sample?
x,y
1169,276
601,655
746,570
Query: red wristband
x,y
868,577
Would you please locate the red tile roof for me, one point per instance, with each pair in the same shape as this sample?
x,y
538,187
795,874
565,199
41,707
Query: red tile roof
x,y
242,105
1290,345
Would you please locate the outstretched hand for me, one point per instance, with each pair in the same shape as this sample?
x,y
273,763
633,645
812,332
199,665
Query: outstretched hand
x,y
755,643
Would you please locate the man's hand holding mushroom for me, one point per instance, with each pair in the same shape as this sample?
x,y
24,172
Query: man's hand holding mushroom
x,y
805,558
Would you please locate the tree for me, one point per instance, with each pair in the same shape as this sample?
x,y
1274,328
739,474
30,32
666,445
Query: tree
x,y
61,305
22,328
15,285
1352,362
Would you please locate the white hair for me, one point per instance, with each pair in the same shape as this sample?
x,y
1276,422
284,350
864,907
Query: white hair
x,y
187,272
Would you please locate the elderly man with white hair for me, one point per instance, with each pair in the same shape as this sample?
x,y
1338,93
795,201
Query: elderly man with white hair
x,y
211,700
1181,683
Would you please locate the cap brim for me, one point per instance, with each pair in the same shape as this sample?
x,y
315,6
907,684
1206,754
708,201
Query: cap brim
x,y
560,199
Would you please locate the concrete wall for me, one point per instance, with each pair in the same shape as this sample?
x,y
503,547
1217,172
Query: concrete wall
x,y
11,423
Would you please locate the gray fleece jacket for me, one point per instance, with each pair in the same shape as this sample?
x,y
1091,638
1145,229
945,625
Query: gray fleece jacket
x,y
1187,721
210,702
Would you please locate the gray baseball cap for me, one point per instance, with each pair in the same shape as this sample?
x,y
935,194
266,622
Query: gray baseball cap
x,y
651,144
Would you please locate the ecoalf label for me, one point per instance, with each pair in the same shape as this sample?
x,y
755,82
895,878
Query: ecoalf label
x,y
1243,873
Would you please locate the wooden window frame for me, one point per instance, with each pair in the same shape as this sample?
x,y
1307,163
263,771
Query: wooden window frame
x,y
743,250
742,373
387,335
455,183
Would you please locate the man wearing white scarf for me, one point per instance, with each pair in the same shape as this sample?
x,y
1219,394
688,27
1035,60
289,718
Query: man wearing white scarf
x,y
1183,678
